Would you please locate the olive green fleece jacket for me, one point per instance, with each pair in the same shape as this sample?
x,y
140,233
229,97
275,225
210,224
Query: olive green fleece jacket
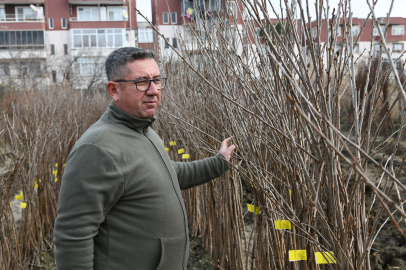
x,y
120,205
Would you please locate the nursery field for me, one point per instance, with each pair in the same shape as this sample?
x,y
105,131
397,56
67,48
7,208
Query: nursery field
x,y
317,180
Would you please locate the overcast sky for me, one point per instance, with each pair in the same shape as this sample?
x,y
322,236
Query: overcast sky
x,y
359,7
145,8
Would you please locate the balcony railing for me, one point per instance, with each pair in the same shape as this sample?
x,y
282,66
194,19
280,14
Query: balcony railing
x,y
76,19
21,18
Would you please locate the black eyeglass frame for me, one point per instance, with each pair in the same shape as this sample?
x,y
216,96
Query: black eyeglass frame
x,y
150,80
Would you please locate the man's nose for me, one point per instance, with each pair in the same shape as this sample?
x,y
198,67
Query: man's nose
x,y
153,89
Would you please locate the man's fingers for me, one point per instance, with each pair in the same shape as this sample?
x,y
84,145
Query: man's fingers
x,y
225,143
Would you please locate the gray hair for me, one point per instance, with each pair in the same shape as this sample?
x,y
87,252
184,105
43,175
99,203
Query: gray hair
x,y
116,63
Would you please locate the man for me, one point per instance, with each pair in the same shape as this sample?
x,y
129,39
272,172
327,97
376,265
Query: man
x,y
120,204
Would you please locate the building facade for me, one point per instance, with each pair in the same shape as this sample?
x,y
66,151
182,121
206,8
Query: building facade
x,y
68,40
366,37
62,40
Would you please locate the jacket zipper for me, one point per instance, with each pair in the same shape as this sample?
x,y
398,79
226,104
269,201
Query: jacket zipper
x,y
183,210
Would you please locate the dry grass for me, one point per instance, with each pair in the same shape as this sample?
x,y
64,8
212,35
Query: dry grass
x,y
39,129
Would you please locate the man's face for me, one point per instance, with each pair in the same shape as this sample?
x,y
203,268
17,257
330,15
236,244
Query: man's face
x,y
139,104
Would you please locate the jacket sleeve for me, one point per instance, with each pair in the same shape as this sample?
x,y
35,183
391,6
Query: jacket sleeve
x,y
91,185
191,174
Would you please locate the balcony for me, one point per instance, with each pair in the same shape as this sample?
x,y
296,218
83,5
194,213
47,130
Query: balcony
x,y
21,18
19,22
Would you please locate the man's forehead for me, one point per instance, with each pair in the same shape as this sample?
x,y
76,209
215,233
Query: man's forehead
x,y
143,67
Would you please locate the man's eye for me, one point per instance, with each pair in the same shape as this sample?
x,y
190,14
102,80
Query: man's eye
x,y
157,80
143,82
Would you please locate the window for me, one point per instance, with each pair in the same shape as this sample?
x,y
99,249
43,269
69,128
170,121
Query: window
x,y
338,47
398,64
63,23
174,43
167,43
166,17
4,69
339,31
314,32
355,30
117,13
173,17
88,66
51,23
65,49
355,49
19,39
26,14
2,13
31,68
377,48
145,35
398,30
53,76
376,32
97,38
398,47
87,14
52,49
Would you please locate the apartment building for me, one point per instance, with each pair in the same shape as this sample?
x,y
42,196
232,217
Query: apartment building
x,y
62,39
178,19
395,37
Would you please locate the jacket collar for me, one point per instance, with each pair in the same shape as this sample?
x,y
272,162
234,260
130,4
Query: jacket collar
x,y
118,116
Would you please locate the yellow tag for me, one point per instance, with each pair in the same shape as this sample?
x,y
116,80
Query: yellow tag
x,y
185,156
166,149
181,151
64,165
283,225
56,180
55,172
172,143
23,205
297,255
251,209
35,184
290,191
56,164
327,258
19,197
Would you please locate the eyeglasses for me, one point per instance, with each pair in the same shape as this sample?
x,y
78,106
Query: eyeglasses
x,y
144,84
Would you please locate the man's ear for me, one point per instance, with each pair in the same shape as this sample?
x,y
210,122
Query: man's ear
x,y
113,88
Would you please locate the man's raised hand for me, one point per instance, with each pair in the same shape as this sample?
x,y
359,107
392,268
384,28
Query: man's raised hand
x,y
226,150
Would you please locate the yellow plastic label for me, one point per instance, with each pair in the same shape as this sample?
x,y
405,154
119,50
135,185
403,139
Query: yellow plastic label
x,y
23,205
56,179
55,172
56,164
19,197
297,255
283,225
181,151
172,143
290,191
327,258
35,184
251,209
166,149
64,165
185,156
